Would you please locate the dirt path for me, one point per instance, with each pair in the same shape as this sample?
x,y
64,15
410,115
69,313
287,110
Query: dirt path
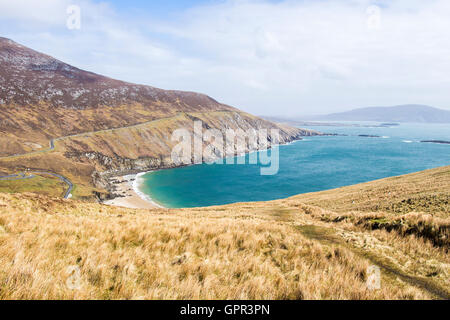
x,y
328,236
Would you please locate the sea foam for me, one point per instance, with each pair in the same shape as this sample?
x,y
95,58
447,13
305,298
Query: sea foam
x,y
136,183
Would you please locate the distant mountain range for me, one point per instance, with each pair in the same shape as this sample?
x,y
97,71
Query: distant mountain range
x,y
402,113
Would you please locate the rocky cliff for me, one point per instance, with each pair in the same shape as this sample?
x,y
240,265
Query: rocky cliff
x,y
59,118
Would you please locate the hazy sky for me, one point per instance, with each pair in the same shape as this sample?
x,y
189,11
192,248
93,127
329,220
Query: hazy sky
x,y
266,57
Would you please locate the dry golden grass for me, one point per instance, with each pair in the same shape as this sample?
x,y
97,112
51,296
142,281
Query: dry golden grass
x,y
283,249
143,146
40,122
222,253
193,254
426,191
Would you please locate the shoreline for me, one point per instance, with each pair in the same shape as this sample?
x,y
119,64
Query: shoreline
x,y
129,195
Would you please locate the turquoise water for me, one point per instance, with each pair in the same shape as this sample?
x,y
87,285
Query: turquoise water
x,y
314,164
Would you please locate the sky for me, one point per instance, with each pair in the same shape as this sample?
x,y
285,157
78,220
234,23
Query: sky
x,y
267,57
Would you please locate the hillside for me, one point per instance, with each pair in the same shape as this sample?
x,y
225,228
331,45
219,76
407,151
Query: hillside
x,y
315,246
58,118
44,98
403,113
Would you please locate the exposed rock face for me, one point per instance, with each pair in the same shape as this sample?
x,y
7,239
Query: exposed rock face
x,y
117,159
43,98
100,126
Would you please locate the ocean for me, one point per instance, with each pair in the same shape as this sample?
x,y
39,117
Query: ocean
x,y
313,164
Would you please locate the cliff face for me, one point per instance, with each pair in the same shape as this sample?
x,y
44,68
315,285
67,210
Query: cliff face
x,y
97,126
43,98
149,146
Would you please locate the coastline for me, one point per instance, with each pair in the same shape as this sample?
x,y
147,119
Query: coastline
x,y
129,195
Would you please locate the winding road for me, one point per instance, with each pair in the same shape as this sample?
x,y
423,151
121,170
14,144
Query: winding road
x,y
51,147
12,177
52,141
22,176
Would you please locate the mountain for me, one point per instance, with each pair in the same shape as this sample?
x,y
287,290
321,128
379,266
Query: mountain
x,y
403,113
28,77
48,98
62,119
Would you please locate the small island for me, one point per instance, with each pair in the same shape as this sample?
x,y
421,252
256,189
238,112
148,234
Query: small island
x,y
368,136
436,141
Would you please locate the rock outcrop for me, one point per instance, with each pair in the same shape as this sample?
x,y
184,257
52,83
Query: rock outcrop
x,y
98,126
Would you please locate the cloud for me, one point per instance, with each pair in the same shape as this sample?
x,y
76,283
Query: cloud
x,y
32,12
288,57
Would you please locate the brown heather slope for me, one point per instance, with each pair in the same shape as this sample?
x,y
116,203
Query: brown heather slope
x,y
282,249
42,98
88,159
426,191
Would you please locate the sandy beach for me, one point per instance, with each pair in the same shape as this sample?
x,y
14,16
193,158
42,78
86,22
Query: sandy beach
x,y
129,198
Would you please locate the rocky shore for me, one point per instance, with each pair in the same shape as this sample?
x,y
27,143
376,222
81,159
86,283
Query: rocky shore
x,y
125,195
121,174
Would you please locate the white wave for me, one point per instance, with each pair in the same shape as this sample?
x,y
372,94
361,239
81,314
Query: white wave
x,y
385,137
294,141
407,141
286,144
136,183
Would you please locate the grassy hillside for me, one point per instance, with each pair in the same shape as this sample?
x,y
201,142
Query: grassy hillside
x,y
57,118
82,158
285,249
39,184
426,191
